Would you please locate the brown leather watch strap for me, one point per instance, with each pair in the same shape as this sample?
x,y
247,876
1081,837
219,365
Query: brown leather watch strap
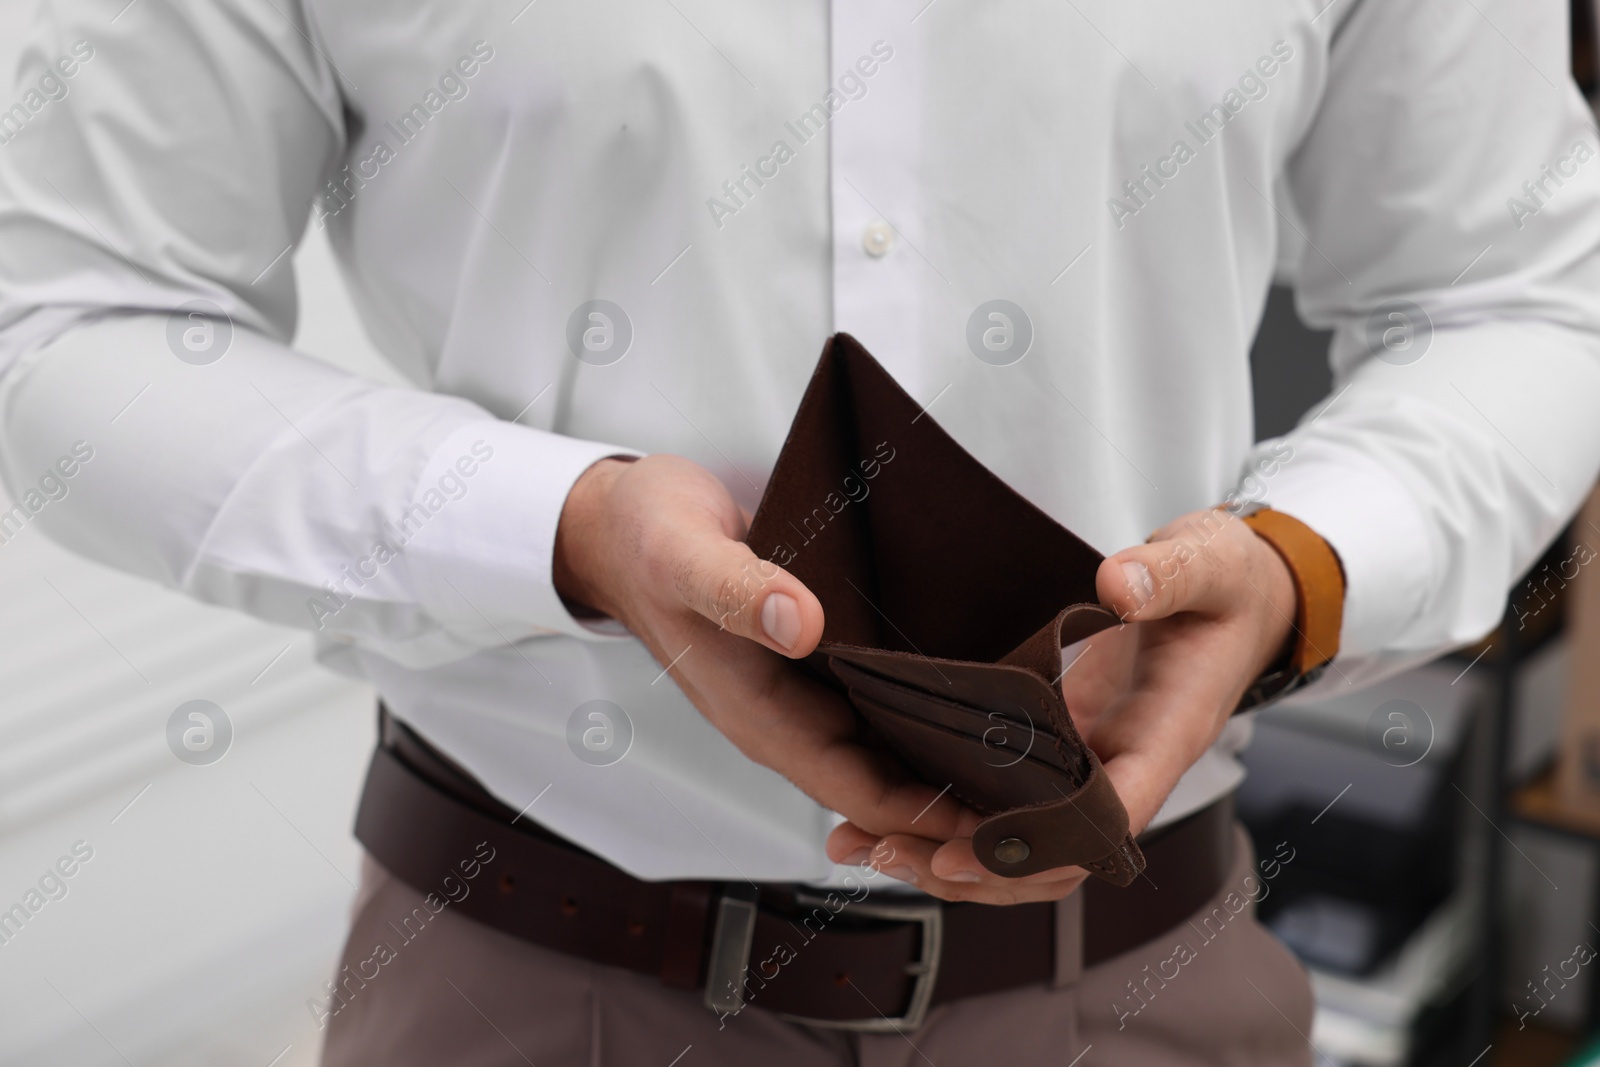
x,y
1318,582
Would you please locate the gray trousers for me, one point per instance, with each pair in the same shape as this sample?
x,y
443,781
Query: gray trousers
x,y
1220,990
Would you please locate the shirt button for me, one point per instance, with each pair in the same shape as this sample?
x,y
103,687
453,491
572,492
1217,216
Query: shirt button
x,y
877,239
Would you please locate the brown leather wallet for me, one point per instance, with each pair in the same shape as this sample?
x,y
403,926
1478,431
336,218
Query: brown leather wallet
x,y
948,598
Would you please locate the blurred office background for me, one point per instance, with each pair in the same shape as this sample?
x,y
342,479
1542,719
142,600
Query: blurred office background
x,y
1443,890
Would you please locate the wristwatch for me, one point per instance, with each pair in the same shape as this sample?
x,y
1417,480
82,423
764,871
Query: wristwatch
x,y
1319,584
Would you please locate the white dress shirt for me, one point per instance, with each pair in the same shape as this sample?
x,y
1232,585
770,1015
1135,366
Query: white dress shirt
x,y
737,181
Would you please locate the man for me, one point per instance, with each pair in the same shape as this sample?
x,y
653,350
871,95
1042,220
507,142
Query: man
x,y
606,243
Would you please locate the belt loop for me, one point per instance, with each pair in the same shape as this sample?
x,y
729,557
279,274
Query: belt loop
x,y
1069,940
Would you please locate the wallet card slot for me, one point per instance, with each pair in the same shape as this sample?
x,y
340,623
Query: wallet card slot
x,y
1019,731
988,779
993,731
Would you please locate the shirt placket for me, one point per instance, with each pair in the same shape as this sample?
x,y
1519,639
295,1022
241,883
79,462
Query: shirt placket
x,y
875,132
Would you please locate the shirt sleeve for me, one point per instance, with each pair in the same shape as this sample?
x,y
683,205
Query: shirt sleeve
x,y
152,187
1446,207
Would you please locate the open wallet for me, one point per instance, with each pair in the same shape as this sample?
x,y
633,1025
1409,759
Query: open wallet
x,y
948,599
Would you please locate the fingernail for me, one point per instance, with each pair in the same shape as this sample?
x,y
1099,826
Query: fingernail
x,y
901,873
857,858
780,619
963,876
1140,584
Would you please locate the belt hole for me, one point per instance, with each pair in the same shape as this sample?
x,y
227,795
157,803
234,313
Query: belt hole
x,y
842,978
569,905
635,927
507,883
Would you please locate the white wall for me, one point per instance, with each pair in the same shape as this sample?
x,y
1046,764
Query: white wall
x,y
214,905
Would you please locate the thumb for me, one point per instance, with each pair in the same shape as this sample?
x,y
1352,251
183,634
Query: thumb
x,y
744,594
1184,567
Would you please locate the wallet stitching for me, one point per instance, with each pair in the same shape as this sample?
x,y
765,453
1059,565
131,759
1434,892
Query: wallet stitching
x,y
1069,757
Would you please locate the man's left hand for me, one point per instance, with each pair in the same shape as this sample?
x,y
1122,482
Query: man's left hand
x,y
1207,606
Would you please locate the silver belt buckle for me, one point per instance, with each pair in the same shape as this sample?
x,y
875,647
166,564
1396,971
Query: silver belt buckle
x,y
730,958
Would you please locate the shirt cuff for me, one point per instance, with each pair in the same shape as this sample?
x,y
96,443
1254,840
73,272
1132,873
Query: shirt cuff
x,y
485,509
1369,518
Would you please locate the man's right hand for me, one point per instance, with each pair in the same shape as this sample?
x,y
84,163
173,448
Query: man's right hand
x,y
656,544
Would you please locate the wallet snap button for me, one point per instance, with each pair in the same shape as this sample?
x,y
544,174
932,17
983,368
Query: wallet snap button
x,y
877,239
1012,850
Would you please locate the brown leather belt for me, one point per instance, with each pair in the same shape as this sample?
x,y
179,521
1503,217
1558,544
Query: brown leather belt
x,y
857,959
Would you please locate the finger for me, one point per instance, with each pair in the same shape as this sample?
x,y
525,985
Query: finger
x,y
950,871
722,580
1169,718
1191,565
949,864
942,820
955,861
850,843
810,735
